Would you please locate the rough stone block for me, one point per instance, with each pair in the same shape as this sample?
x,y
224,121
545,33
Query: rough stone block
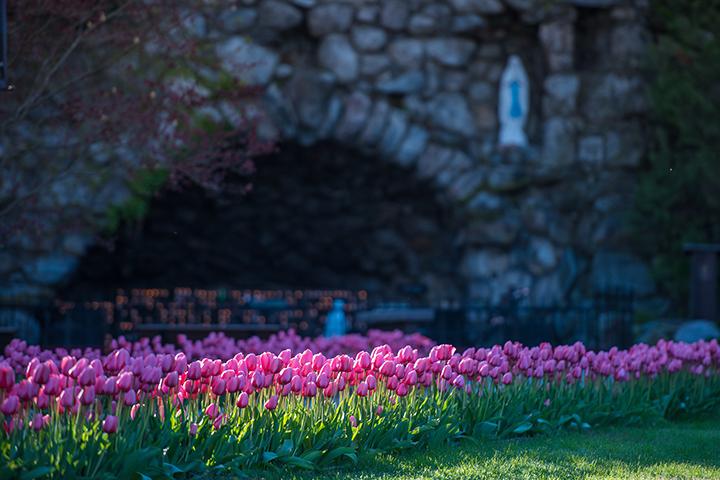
x,y
373,64
433,159
488,7
394,14
559,141
561,92
329,18
238,20
51,269
356,111
250,63
395,129
542,256
278,15
375,125
337,55
558,40
591,150
467,23
407,52
404,83
367,38
412,146
484,263
451,112
452,51
613,96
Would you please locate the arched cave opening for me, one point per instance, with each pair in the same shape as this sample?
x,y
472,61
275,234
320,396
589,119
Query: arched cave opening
x,y
316,217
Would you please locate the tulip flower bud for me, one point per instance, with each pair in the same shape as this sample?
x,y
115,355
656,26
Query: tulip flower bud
x,y
129,398
110,424
7,376
243,400
10,405
125,381
41,374
67,397
272,403
217,423
37,422
193,429
212,410
218,387
87,396
87,376
402,389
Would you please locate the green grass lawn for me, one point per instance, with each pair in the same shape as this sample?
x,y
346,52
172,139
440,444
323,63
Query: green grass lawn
x,y
684,450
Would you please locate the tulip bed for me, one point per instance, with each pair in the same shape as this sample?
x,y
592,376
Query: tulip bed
x,y
149,411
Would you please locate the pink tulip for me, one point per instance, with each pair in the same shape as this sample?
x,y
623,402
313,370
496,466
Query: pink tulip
x,y
272,403
218,387
194,371
87,396
217,423
193,429
129,398
171,379
37,422
67,397
10,405
110,424
212,410
134,410
125,381
7,377
243,400
41,374
286,375
353,421
87,376
507,378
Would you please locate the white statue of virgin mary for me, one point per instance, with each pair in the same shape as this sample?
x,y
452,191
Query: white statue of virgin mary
x,y
514,104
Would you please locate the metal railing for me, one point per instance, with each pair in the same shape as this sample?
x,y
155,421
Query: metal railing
x,y
600,322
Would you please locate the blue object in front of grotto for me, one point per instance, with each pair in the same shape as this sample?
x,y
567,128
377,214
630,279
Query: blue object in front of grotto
x,y
336,323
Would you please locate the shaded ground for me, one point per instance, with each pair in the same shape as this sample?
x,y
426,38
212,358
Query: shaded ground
x,y
687,450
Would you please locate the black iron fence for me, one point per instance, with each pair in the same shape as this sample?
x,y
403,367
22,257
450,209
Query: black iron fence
x,y
600,322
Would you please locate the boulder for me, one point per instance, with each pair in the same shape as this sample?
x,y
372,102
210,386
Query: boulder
x,y
394,14
478,6
330,18
337,55
451,112
248,62
697,330
278,15
451,51
407,52
50,269
405,83
367,38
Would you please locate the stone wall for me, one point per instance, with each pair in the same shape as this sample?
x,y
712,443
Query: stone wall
x,y
415,82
